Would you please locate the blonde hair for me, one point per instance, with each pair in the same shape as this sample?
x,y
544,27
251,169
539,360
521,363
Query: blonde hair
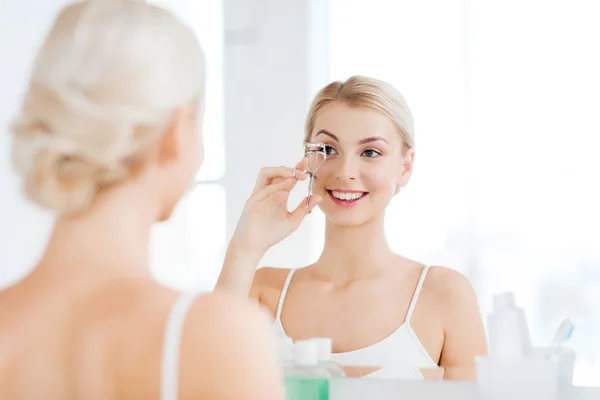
x,y
103,88
365,92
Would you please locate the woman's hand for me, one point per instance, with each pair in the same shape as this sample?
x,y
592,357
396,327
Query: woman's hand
x,y
265,220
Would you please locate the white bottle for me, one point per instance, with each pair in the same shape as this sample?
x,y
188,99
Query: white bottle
x,y
306,379
324,345
507,328
511,371
285,351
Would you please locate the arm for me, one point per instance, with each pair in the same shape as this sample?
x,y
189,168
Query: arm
x,y
464,334
238,270
264,222
228,352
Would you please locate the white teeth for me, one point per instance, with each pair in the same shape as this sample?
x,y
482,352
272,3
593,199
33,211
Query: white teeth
x,y
346,195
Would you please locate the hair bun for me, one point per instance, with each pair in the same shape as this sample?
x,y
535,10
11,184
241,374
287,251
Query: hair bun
x,y
61,182
55,176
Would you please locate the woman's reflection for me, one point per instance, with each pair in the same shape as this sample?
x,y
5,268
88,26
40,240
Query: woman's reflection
x,y
380,308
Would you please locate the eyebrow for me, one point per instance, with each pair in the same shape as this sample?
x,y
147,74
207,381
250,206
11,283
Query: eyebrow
x,y
372,139
360,142
326,132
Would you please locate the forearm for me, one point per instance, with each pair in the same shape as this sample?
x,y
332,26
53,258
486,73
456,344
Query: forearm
x,y
238,269
459,373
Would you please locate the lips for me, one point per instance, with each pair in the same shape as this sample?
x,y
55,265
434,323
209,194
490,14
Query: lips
x,y
346,197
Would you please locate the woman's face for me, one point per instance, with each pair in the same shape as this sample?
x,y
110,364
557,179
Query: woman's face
x,y
365,163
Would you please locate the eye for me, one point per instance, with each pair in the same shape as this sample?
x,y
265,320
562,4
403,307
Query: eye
x,y
370,153
330,151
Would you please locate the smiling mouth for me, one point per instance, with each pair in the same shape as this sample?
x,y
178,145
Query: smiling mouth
x,y
346,198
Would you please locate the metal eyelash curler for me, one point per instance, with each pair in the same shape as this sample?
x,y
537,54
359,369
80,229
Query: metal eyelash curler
x,y
316,155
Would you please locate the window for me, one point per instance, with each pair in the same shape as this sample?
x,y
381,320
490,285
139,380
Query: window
x,y
186,250
506,140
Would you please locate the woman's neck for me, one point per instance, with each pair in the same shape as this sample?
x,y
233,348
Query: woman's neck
x,y
352,253
111,238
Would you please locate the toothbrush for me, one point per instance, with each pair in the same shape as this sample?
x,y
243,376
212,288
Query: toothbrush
x,y
564,332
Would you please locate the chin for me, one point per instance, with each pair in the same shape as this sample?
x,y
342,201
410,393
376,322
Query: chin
x,y
347,221
165,214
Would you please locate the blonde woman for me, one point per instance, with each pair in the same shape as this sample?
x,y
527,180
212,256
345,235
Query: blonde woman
x,y
384,311
108,138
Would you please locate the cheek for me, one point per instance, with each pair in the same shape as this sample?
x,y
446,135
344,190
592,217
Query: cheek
x,y
195,148
325,176
327,170
378,176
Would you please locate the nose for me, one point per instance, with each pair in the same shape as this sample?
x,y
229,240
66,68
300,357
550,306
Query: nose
x,y
347,169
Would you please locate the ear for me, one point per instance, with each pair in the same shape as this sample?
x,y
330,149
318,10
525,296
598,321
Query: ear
x,y
406,169
168,147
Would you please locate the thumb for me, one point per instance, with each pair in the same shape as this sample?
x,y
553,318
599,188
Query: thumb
x,y
300,212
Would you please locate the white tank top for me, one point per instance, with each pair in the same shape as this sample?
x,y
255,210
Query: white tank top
x,y
399,356
169,369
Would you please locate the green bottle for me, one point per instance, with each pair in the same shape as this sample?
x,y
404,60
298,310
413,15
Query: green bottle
x,y
305,378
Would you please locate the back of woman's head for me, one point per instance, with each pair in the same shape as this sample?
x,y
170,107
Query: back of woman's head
x,y
103,89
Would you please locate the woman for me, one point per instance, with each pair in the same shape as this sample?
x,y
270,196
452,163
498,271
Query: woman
x,y
381,310
108,138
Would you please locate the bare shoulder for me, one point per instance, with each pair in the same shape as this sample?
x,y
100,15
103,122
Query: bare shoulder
x,y
271,277
226,310
230,340
267,285
449,286
216,310
464,334
220,320
224,337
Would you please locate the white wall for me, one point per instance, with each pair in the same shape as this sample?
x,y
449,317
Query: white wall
x,y
23,228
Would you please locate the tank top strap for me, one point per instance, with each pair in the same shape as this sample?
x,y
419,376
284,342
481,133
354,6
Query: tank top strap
x,y
413,302
169,369
286,285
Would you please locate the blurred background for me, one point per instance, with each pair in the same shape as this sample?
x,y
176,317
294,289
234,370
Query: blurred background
x,y
506,99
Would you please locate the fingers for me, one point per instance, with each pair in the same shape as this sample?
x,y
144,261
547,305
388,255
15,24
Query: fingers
x,y
279,198
315,199
300,170
286,186
268,174
300,212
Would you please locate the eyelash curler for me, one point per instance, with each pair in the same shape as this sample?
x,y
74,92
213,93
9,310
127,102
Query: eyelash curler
x,y
316,154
